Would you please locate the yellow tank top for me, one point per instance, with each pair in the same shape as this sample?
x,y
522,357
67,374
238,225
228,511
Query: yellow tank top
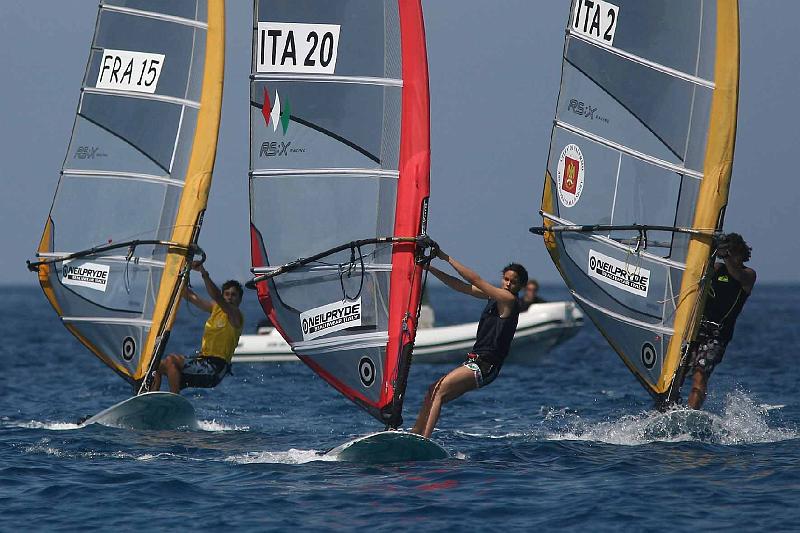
x,y
219,336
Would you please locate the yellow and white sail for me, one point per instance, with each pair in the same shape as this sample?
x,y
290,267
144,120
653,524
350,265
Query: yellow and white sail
x,y
134,185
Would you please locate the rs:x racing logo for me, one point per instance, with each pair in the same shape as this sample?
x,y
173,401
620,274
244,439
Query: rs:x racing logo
x,y
277,112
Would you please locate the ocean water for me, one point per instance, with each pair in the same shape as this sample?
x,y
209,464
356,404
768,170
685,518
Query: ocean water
x,y
568,442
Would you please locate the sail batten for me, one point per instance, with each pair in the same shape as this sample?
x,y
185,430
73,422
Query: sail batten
x,y
104,174
356,80
645,62
155,15
629,151
343,172
622,318
639,170
141,96
102,320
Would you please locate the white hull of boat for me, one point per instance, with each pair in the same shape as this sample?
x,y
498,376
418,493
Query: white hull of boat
x,y
540,328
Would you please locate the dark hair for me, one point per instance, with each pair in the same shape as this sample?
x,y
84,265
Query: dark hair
x,y
734,241
233,283
521,272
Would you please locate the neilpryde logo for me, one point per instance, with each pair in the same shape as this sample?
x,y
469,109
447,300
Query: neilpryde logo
x,y
630,278
277,113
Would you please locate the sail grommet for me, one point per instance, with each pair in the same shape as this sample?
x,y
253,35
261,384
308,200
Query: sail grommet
x,y
366,371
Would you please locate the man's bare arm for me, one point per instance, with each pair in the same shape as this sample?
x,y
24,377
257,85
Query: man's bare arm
x,y
197,301
480,288
234,315
456,284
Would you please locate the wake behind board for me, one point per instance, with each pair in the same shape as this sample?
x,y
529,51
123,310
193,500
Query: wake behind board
x,y
152,410
388,447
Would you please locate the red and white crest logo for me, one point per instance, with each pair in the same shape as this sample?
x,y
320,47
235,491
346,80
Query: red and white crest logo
x,y
570,175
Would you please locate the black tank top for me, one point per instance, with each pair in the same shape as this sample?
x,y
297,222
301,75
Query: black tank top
x,y
724,302
495,334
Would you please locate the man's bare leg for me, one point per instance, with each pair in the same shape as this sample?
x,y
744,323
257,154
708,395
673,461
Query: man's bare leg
x,y
173,367
453,385
156,384
699,386
425,409
161,370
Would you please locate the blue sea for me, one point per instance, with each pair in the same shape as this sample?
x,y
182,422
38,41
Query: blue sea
x,y
568,442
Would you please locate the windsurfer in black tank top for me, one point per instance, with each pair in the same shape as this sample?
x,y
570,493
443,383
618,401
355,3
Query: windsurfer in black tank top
x,y
495,332
731,284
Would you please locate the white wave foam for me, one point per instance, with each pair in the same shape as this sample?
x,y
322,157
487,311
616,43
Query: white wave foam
x,y
44,448
213,425
741,422
54,426
500,436
290,457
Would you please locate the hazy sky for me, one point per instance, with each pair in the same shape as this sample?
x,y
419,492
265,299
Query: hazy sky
x,y
494,69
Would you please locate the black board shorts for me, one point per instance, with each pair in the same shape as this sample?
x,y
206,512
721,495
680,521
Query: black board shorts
x,y
706,352
484,371
203,372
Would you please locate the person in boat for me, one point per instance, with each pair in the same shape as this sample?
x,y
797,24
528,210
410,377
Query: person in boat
x,y
220,337
496,329
530,295
731,285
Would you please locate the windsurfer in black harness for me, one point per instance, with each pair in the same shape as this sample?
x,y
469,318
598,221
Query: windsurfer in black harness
x,y
731,284
496,330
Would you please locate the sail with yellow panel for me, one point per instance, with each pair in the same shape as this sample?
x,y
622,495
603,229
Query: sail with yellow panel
x,y
639,171
124,223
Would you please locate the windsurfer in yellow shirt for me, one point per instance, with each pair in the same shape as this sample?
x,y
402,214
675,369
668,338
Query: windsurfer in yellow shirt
x,y
220,337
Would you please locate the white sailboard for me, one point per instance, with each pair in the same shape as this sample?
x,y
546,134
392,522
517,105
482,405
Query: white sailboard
x,y
123,227
639,171
148,411
339,185
388,447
